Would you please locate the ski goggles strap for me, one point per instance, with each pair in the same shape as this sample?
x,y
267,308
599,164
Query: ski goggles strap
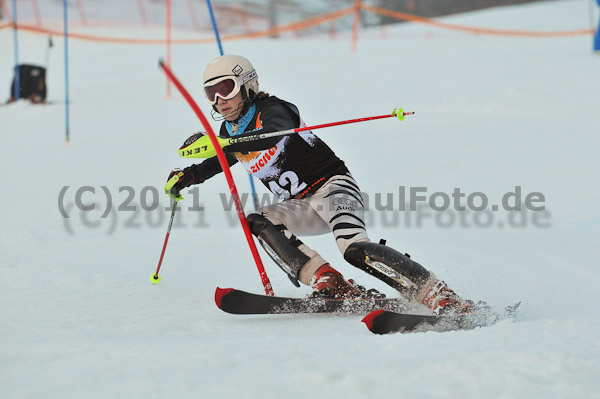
x,y
225,87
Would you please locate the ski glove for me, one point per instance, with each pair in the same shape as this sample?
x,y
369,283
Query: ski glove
x,y
177,181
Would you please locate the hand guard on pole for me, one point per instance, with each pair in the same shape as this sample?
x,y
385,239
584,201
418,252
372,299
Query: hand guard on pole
x,y
178,180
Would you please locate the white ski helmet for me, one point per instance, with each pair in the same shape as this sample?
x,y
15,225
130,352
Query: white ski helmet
x,y
235,66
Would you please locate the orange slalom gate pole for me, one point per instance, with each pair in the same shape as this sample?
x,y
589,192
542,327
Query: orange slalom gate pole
x,y
225,166
193,15
6,11
81,13
36,11
355,25
142,10
244,17
332,28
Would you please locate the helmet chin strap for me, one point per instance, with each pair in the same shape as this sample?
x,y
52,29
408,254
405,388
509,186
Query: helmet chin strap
x,y
244,106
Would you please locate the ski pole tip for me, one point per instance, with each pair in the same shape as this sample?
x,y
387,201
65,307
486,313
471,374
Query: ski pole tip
x,y
155,278
400,114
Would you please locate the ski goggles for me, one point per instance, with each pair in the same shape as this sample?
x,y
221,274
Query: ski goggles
x,y
225,87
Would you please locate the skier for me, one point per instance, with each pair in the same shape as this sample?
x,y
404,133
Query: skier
x,y
319,194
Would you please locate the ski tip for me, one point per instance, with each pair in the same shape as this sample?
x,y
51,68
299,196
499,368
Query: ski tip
x,y
370,318
219,294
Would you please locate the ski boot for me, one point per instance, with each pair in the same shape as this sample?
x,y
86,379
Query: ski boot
x,y
443,301
329,283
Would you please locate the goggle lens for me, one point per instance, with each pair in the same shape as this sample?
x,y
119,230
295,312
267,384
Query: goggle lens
x,y
226,89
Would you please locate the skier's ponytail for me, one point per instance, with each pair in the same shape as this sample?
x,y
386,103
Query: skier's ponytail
x,y
262,95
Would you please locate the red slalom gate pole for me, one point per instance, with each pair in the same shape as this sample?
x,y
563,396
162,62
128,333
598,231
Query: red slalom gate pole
x,y
225,166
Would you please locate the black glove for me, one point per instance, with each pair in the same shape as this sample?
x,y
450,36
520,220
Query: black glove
x,y
186,179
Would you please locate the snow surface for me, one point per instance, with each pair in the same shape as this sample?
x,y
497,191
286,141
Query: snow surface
x,y
80,318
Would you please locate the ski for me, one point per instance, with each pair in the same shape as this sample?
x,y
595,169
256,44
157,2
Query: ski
x,y
235,301
387,322
52,102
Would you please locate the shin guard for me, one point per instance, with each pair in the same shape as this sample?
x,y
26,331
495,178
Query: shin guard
x,y
388,265
283,250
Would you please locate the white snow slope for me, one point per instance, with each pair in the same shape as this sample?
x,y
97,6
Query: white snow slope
x,y
80,318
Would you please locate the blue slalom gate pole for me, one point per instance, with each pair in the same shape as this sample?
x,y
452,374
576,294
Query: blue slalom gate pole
x,y
254,197
17,88
68,138
214,24
216,29
597,36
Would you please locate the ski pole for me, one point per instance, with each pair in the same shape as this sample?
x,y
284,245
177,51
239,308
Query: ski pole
x,y
202,147
155,278
227,172
398,113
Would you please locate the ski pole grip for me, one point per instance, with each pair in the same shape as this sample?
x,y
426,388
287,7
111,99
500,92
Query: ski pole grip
x,y
172,181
